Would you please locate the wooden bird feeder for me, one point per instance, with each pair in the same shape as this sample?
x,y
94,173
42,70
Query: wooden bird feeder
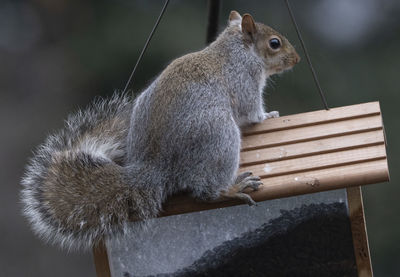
x,y
307,153
338,149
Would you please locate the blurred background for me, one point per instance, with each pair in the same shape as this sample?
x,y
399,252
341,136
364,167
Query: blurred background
x,y
57,55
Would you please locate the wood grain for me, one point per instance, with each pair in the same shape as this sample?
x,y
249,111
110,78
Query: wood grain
x,y
327,160
306,153
309,133
315,118
292,184
311,148
359,232
101,262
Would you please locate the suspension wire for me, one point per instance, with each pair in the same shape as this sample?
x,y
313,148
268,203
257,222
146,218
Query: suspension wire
x,y
146,44
307,56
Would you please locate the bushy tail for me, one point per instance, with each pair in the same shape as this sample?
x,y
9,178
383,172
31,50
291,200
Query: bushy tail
x,y
76,188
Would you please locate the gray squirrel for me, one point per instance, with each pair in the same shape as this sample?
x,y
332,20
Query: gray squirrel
x,y
120,159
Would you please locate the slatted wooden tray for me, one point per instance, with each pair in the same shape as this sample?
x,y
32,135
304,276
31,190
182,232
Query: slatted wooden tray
x,y
308,152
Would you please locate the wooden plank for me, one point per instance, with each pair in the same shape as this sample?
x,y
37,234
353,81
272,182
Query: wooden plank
x,y
317,161
309,148
314,118
323,179
101,260
308,133
293,184
308,153
359,232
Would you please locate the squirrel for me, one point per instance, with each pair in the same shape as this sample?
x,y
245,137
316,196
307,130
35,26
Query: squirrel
x,y
119,160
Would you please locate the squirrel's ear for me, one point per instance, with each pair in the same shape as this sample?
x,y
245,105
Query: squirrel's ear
x,y
234,18
248,27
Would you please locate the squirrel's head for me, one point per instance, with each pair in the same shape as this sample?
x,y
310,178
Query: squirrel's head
x,y
275,50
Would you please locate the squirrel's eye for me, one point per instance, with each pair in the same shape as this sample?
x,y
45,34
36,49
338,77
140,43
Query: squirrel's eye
x,y
274,43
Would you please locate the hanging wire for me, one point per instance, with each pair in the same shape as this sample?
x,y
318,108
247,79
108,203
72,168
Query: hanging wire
x,y
146,44
307,56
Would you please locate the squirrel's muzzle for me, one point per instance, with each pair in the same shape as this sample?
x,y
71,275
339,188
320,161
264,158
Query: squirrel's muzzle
x,y
296,58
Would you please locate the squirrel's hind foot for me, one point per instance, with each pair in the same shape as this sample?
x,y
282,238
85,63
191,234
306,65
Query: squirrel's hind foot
x,y
243,181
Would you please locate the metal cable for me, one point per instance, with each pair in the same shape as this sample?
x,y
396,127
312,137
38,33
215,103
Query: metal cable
x,y
146,44
307,56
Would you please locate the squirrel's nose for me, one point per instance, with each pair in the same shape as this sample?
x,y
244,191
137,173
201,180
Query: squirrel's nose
x,y
296,58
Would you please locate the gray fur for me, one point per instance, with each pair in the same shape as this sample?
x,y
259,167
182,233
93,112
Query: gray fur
x,y
120,159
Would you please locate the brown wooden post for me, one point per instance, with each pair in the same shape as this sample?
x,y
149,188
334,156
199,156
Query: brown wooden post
x,y
101,260
359,232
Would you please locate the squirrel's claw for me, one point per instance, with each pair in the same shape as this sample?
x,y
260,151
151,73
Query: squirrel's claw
x,y
253,182
243,181
246,198
242,176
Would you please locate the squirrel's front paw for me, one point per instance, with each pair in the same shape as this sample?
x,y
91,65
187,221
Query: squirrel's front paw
x,y
273,114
